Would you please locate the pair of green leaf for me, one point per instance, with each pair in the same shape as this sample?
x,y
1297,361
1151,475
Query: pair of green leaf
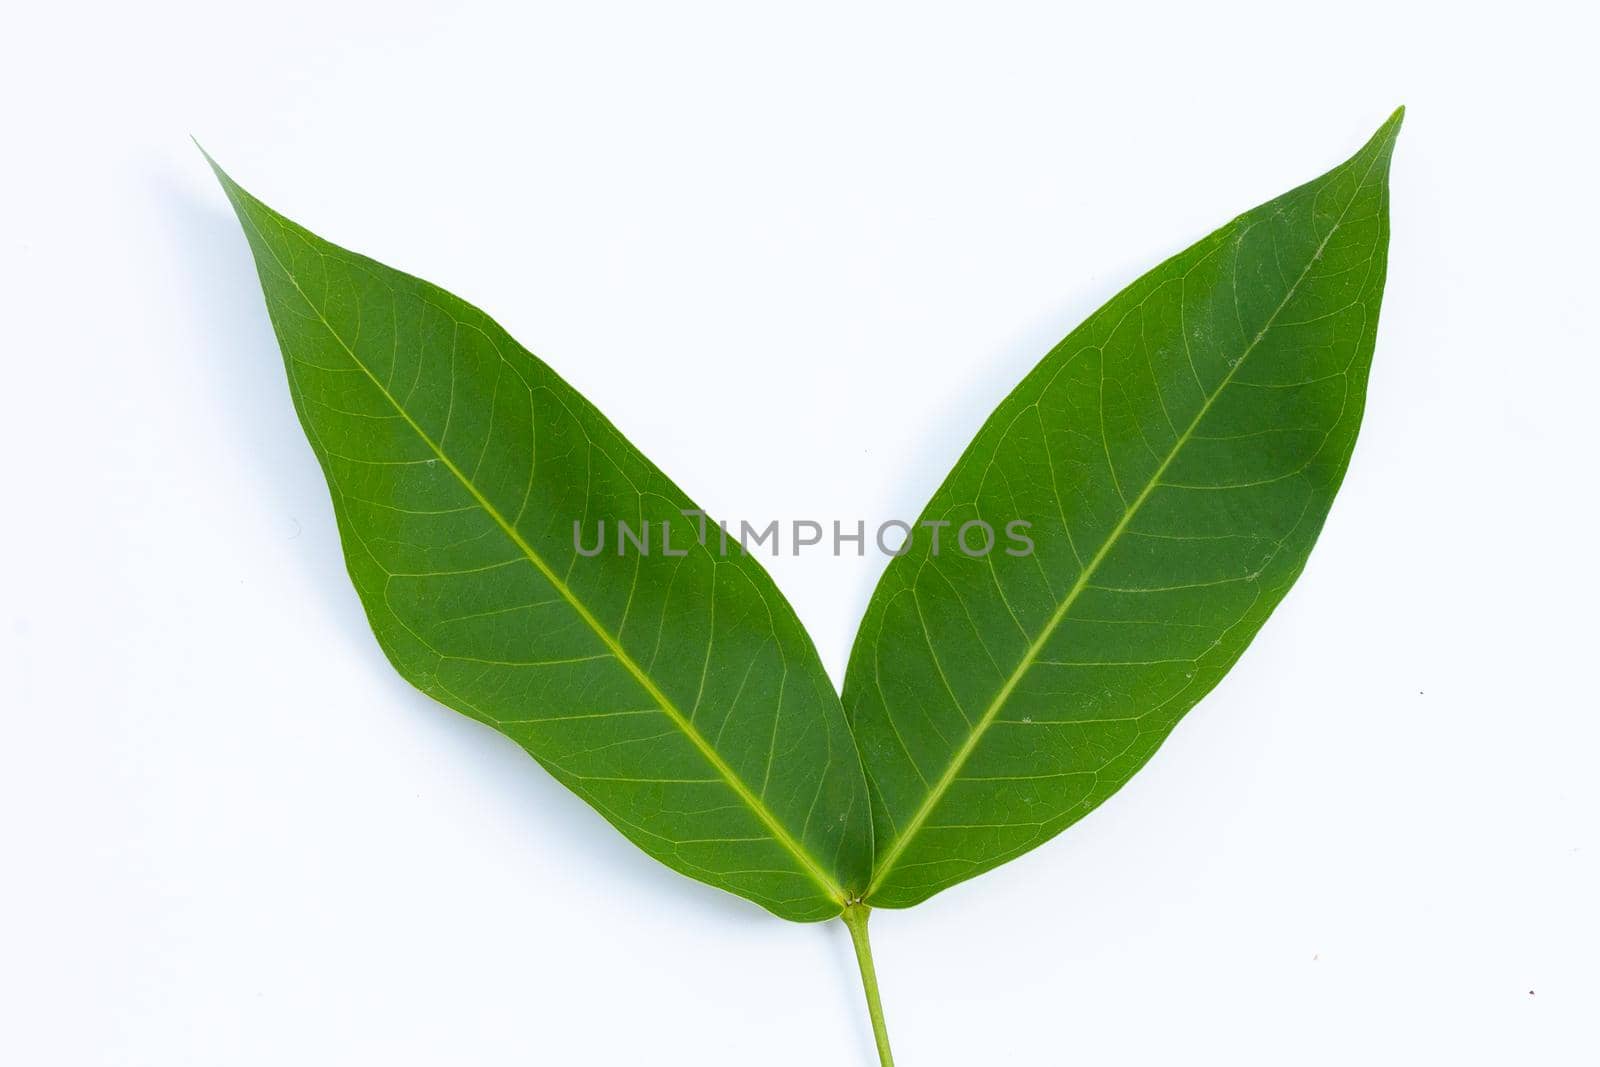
x,y
1175,455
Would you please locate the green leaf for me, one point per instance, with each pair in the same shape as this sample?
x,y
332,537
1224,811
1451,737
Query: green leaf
x,y
678,695
1176,456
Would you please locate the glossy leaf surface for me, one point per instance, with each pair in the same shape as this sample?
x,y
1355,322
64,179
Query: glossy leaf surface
x,y
1176,456
677,694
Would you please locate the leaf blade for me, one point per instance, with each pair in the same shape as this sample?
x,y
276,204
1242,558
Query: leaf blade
x,y
479,604
933,692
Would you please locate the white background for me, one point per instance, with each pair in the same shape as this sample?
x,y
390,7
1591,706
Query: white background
x,y
797,257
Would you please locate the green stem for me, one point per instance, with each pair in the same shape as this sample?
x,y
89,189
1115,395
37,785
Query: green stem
x,y
855,917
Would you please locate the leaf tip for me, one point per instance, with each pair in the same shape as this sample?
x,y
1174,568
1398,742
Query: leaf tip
x,y
1391,127
1381,144
230,188
216,168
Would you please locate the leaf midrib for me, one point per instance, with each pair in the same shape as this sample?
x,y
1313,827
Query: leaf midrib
x,y
809,865
964,753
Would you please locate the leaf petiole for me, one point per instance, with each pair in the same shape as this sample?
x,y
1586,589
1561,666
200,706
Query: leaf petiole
x,y
855,917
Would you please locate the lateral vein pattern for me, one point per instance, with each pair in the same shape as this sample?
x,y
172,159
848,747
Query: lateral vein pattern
x,y
458,464
1177,455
